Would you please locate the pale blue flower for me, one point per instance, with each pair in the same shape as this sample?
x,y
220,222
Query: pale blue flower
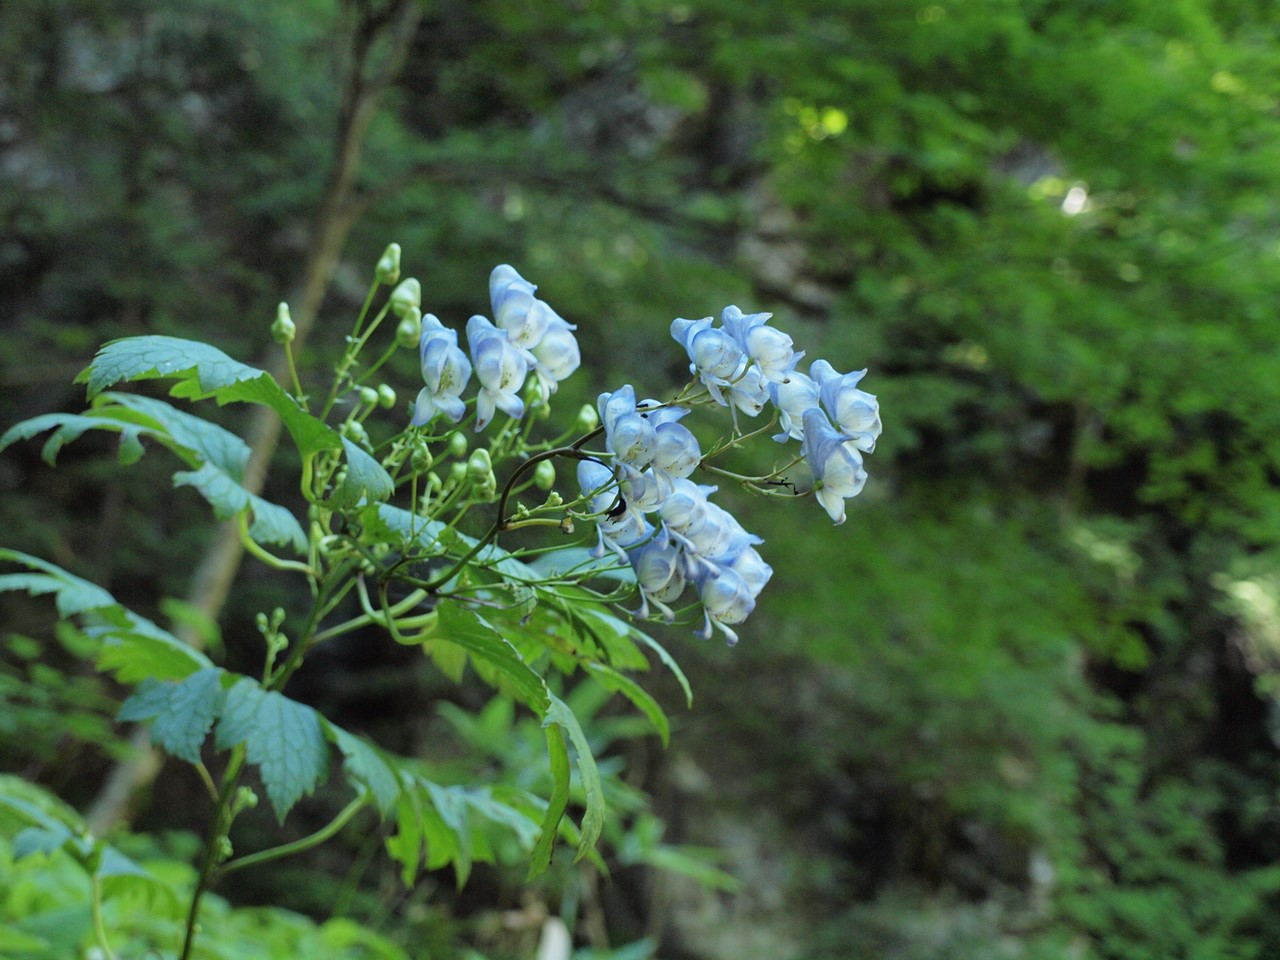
x,y
659,573
792,398
501,369
726,598
628,435
556,356
750,391
676,452
771,350
618,524
714,355
835,462
854,411
515,309
445,370
645,490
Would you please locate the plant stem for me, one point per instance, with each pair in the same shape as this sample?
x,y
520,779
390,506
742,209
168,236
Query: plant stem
x,y
297,846
99,928
219,826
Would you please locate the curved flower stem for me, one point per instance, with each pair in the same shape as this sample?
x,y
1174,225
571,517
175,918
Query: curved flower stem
x,y
297,846
293,376
270,559
386,355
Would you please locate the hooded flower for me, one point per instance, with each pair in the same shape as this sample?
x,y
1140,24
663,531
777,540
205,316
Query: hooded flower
x,y
854,411
771,350
445,370
501,369
835,462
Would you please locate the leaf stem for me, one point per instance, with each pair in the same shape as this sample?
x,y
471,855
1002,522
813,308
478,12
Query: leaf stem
x,y
297,846
270,559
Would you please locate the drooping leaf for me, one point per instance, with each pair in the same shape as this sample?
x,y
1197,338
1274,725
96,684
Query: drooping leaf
x,y
467,629
137,649
181,713
367,766
272,523
558,754
448,834
405,845
158,357
589,775
281,736
619,682
72,595
365,479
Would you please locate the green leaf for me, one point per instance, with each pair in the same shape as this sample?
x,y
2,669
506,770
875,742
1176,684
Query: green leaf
x,y
463,626
448,835
271,523
405,847
365,479
667,660
281,736
137,649
558,753
367,766
156,357
181,714
73,595
620,683
593,819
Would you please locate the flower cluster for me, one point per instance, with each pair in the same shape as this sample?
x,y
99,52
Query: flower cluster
x,y
526,336
693,541
755,364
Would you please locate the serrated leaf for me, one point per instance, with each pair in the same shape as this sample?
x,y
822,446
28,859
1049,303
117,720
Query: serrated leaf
x,y
589,775
620,683
448,834
405,846
365,479
368,766
157,357
73,595
272,523
558,754
282,737
181,714
433,538
467,629
136,649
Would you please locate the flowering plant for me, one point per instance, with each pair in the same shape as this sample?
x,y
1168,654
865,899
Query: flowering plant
x,y
380,539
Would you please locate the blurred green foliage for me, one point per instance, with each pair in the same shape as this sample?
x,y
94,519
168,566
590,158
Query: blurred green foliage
x,y
1012,707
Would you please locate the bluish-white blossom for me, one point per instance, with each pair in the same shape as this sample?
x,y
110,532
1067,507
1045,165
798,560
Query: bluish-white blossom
x,y
792,398
501,369
445,371
835,462
771,350
628,434
534,327
854,411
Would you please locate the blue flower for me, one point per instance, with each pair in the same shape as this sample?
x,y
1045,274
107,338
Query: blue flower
x,y
501,369
714,355
771,350
835,462
515,309
628,435
659,574
854,411
793,397
726,598
556,356
676,452
618,524
445,370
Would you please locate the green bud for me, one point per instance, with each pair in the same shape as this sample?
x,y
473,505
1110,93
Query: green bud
x,y
368,396
407,296
284,329
544,475
225,850
409,330
588,419
479,466
554,499
245,799
422,459
354,430
261,622
386,396
434,483
458,444
388,269
458,473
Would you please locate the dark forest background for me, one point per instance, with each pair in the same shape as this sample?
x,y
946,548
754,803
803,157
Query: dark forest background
x,y
1020,705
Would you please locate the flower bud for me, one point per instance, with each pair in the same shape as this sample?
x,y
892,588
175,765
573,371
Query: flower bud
x,y
544,475
422,460
283,330
479,466
388,269
457,474
458,444
409,330
588,419
354,430
408,295
368,396
386,396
